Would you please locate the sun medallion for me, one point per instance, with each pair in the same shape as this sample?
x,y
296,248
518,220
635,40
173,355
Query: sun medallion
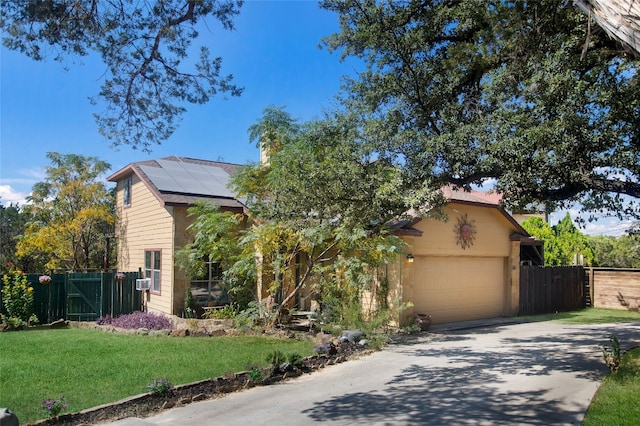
x,y
465,231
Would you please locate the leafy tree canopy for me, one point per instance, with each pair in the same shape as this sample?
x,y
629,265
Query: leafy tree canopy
x,y
320,208
143,44
616,252
564,244
71,213
526,93
13,221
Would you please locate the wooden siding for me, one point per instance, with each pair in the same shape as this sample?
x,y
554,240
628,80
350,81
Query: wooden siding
x,y
615,288
144,225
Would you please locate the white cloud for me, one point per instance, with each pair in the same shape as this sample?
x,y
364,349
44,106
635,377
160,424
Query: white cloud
x,y
9,195
604,225
15,189
608,226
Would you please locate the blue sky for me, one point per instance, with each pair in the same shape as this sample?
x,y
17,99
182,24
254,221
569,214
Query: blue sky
x,y
273,53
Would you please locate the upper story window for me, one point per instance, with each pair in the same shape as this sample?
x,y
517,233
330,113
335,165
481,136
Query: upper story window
x,y
127,191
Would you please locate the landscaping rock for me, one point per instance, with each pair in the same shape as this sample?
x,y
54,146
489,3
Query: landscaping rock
x,y
8,418
351,336
59,324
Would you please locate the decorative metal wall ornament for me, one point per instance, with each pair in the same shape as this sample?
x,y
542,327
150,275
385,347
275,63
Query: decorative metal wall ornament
x,y
465,231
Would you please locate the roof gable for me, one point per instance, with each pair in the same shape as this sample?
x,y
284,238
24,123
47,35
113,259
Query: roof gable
x,y
184,181
455,195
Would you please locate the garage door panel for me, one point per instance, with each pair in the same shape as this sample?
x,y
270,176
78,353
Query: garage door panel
x,y
458,289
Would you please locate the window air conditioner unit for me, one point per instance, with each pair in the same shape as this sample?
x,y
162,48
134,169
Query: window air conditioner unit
x,y
143,283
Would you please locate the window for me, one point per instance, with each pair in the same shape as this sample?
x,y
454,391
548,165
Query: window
x,y
127,192
152,268
207,289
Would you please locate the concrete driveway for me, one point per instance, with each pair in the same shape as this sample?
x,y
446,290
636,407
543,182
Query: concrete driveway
x,y
536,373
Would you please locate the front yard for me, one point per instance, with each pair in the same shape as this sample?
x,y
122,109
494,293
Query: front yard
x,y
91,367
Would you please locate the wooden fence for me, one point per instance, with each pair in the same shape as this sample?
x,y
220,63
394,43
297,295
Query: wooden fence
x,y
615,288
83,296
552,289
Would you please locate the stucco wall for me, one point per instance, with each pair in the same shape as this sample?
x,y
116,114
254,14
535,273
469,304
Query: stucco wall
x,y
492,254
492,232
615,288
146,225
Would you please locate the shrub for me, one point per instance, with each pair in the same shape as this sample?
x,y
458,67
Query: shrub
x,y
612,355
295,359
137,320
189,311
276,358
227,312
17,297
160,387
53,407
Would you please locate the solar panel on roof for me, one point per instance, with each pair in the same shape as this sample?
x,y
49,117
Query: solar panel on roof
x,y
189,178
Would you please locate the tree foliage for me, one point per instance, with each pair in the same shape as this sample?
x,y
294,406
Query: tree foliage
x,y
71,213
616,252
564,244
319,210
526,93
144,45
13,221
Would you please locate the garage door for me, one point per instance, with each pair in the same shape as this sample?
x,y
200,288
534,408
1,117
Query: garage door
x,y
459,289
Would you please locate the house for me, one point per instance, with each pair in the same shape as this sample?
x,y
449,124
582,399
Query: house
x,y
464,268
152,201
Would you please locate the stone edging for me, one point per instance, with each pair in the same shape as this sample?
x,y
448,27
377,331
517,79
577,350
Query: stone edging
x,y
144,405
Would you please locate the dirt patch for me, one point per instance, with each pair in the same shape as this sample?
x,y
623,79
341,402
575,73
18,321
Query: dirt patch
x,y
147,404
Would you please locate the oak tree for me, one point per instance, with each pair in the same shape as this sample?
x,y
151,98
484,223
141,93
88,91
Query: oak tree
x,y
529,95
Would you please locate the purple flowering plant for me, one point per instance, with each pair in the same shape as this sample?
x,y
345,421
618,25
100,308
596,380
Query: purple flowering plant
x,y
44,279
137,320
53,407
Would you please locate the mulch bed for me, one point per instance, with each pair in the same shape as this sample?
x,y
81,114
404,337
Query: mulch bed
x,y
147,404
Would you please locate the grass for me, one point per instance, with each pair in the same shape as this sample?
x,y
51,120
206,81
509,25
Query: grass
x,y
617,401
91,367
587,316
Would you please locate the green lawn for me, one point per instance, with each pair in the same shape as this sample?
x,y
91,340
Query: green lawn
x,y
91,367
588,316
617,402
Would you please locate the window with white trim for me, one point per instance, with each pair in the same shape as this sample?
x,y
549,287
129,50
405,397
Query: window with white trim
x,y
152,268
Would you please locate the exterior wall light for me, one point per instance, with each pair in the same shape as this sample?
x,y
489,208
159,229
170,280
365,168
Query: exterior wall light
x,y
410,258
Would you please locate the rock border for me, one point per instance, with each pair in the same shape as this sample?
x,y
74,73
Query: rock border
x,y
148,404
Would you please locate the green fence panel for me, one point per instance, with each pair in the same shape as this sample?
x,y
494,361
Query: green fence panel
x,y
84,296
49,299
123,298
